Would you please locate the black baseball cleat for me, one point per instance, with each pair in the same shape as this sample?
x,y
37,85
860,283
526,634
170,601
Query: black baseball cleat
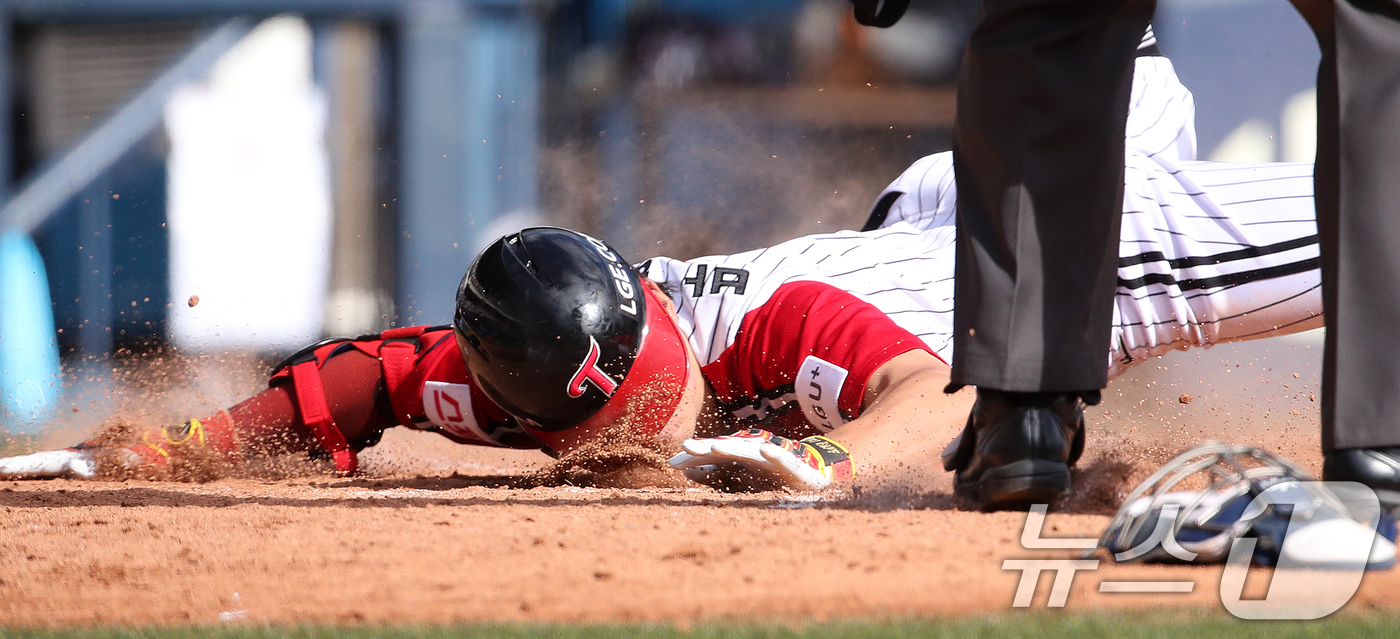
x,y
1017,448
1377,468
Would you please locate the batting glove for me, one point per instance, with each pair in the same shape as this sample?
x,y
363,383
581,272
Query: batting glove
x,y
813,463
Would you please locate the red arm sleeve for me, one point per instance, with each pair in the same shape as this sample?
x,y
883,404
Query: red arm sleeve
x,y
431,390
815,341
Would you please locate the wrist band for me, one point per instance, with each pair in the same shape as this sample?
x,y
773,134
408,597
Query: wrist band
x,y
836,460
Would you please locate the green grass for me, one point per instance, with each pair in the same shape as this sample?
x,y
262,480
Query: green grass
x,y
1184,624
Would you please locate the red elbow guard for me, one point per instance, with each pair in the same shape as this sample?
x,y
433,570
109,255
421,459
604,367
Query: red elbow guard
x,y
316,414
310,396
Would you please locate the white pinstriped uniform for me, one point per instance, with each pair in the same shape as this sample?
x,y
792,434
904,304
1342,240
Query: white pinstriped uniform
x,y
1210,252
1161,112
906,272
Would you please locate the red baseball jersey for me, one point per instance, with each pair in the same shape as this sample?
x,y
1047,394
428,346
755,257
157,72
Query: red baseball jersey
x,y
789,335
429,388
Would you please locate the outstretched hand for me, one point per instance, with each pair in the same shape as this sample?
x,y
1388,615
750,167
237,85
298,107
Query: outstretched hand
x,y
110,454
759,460
64,462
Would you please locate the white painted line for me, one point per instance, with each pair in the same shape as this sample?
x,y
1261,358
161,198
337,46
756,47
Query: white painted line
x,y
1147,586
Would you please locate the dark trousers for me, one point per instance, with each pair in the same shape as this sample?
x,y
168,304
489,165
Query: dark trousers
x,y
1357,182
1038,153
1038,158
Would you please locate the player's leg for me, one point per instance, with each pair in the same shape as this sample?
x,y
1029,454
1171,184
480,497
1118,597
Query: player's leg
x,y
1161,123
1037,147
1358,209
1213,252
1161,112
925,196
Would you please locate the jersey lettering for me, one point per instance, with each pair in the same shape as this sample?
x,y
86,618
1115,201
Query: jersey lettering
x,y
588,371
725,277
735,278
697,280
819,384
762,408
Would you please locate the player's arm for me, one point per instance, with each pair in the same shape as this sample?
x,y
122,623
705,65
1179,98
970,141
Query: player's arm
x,y
271,422
874,390
906,418
330,399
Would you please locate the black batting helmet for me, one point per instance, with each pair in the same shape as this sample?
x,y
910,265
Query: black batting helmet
x,y
560,332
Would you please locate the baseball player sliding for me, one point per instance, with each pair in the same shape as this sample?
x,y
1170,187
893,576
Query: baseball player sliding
x,y
806,363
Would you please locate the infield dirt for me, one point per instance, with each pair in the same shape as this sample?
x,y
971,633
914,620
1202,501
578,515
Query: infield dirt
x,y
439,532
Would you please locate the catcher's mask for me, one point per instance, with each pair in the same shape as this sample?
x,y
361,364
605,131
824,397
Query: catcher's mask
x,y
1194,508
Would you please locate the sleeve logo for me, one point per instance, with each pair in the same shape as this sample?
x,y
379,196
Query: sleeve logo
x,y
818,387
589,371
449,406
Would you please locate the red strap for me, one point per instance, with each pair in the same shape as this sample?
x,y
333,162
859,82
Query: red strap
x,y
316,414
398,359
404,332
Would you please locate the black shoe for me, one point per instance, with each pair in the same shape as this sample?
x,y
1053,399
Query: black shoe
x,y
1017,448
1377,468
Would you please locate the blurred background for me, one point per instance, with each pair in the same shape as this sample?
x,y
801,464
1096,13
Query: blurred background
x,y
227,178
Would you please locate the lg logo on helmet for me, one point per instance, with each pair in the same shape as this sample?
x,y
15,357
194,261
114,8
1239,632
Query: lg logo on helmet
x,y
620,281
589,371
